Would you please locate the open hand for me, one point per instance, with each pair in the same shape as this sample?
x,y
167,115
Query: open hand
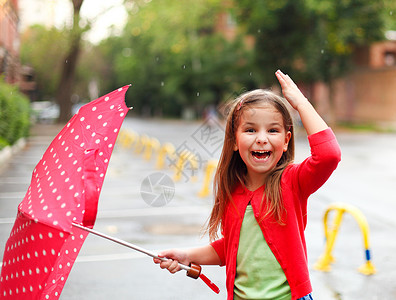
x,y
290,90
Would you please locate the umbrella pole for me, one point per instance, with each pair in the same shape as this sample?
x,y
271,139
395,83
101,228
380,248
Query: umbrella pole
x,y
193,271
129,245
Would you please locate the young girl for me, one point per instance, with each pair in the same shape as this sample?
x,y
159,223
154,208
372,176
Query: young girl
x,y
261,197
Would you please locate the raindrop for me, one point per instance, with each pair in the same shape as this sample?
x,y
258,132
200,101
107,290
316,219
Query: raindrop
x,y
184,67
250,73
391,13
322,51
162,83
259,31
197,94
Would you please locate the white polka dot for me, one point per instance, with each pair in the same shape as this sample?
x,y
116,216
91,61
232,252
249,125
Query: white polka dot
x,y
94,108
82,119
107,99
100,117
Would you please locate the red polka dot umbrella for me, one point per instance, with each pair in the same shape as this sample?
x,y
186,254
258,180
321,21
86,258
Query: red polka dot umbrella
x,y
64,189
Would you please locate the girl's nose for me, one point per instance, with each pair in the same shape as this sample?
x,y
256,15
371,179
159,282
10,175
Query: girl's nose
x,y
261,138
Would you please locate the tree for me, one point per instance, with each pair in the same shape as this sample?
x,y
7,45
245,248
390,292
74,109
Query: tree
x,y
341,28
312,38
41,49
64,91
174,57
281,29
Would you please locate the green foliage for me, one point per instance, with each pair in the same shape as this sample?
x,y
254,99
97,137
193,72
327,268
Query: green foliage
x,y
281,29
312,38
43,49
174,58
14,115
341,27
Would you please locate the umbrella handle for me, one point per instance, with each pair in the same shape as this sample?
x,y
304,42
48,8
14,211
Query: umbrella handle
x,y
193,271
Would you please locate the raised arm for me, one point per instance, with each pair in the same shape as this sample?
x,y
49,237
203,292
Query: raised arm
x,y
311,120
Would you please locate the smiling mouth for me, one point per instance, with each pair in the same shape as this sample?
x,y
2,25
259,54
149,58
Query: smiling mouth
x,y
261,154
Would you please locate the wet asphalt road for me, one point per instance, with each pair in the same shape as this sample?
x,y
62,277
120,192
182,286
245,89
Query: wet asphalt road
x,y
365,178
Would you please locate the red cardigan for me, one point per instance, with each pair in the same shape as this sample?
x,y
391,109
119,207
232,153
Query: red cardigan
x,y
287,242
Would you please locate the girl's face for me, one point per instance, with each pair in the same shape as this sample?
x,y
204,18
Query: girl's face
x,y
261,139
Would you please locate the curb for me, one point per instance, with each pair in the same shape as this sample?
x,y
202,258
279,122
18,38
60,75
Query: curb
x,y
9,151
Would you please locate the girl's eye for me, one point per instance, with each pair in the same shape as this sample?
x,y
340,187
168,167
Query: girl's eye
x,y
250,130
273,130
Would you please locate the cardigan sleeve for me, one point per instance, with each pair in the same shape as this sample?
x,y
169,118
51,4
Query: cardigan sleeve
x,y
219,247
316,169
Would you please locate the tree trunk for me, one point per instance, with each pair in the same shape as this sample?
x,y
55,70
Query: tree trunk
x,y
65,86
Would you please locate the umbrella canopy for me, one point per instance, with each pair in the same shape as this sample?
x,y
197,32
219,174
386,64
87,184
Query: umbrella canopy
x,y
64,189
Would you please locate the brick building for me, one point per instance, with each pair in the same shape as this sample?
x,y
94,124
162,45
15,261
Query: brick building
x,y
367,94
9,40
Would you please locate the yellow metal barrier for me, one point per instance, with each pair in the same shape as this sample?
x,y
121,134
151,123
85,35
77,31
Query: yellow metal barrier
x,y
210,168
141,143
323,264
184,158
127,138
167,150
152,145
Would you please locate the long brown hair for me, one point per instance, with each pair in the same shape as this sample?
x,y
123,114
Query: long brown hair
x,y
232,170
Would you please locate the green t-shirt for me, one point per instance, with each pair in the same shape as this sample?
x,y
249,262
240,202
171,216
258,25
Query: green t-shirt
x,y
258,273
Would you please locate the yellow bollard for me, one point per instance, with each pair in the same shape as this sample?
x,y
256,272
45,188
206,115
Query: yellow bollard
x,y
167,150
152,145
323,263
127,138
184,158
210,168
141,143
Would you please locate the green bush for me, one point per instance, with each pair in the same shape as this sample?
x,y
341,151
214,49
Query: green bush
x,y
14,115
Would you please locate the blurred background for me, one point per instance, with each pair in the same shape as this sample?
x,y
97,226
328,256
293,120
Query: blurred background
x,y
184,58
